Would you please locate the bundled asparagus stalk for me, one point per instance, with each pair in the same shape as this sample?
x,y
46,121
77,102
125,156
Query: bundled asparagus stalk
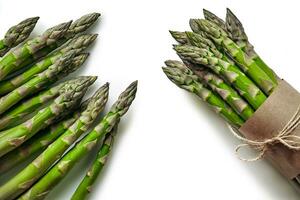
x,y
17,34
60,169
219,60
221,67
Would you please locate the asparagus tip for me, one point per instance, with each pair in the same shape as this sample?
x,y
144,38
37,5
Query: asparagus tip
x,y
33,19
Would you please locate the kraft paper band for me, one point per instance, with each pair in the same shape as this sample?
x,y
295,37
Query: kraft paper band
x,y
269,120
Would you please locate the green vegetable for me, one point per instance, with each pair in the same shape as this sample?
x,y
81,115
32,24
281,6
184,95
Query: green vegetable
x,y
214,18
60,170
28,176
79,26
180,37
17,34
86,184
10,62
226,92
77,44
38,142
20,113
186,79
37,83
237,33
69,97
229,71
248,65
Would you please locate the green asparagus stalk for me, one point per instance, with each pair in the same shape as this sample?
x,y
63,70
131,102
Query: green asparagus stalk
x,y
79,26
230,72
247,64
28,176
77,44
226,92
11,138
19,113
82,148
17,34
9,63
214,18
201,41
39,142
239,36
180,37
187,80
62,67
86,184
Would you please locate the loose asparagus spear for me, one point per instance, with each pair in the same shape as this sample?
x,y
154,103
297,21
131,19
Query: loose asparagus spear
x,y
69,98
38,142
231,72
217,84
19,113
62,66
9,63
214,18
28,176
186,79
17,34
77,44
79,26
247,64
86,184
239,36
60,170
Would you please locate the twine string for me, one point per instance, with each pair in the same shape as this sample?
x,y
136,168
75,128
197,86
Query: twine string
x,y
284,137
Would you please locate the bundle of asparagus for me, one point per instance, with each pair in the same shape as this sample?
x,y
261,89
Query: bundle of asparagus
x,y
41,118
220,66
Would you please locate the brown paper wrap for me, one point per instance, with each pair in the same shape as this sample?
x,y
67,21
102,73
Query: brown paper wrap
x,y
269,120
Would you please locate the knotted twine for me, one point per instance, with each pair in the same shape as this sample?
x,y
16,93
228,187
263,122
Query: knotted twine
x,y
284,137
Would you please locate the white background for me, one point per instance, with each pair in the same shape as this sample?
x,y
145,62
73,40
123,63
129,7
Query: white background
x,y
171,146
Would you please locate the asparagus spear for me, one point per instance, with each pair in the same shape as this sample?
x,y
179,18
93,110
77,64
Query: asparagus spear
x,y
239,36
14,137
28,176
180,37
247,64
79,26
19,113
231,72
17,34
9,63
229,95
86,184
62,66
38,142
201,41
214,18
186,79
77,44
60,170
